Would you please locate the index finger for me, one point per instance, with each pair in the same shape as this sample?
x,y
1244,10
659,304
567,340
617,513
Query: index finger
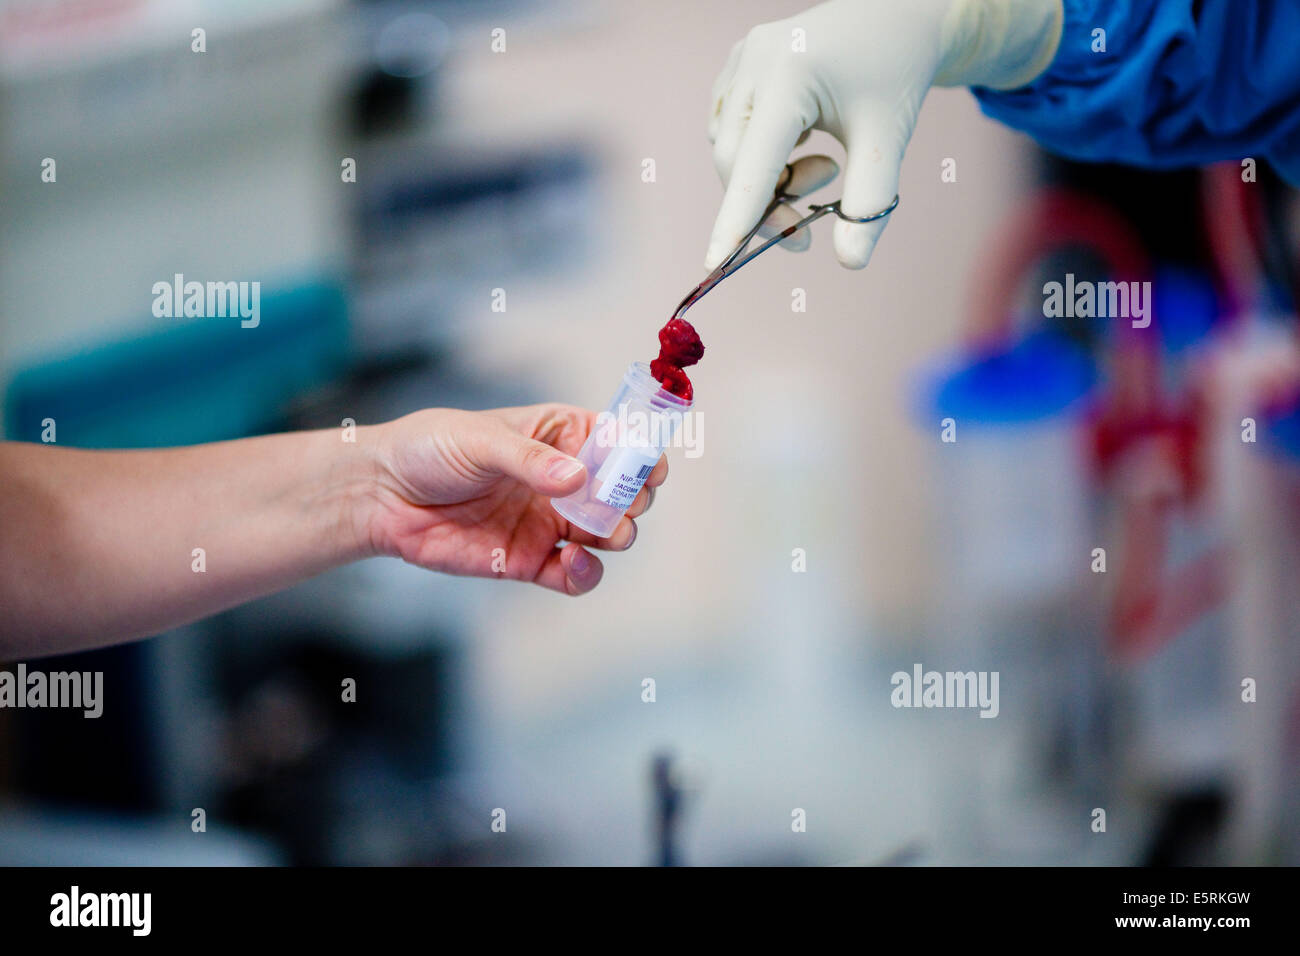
x,y
659,474
774,127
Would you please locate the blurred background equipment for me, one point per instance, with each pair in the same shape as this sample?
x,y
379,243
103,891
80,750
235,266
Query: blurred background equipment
x,y
532,192
1155,715
230,163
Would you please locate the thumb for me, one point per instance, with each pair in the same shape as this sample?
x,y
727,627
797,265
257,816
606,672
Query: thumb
x,y
870,185
536,464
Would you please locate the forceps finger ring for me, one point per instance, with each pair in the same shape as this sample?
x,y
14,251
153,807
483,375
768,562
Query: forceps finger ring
x,y
739,257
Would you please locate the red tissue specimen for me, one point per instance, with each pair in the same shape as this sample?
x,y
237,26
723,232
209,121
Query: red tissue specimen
x,y
679,346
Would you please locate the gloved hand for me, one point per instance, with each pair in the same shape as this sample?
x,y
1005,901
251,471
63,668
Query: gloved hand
x,y
866,66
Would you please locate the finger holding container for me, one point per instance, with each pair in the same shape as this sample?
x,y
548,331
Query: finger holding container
x,y
623,451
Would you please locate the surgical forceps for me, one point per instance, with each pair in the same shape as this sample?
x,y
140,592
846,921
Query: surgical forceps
x,y
738,255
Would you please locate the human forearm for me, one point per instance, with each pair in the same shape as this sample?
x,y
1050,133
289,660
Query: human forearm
x,y
99,547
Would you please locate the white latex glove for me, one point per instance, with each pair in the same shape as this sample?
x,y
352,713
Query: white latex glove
x,y
866,67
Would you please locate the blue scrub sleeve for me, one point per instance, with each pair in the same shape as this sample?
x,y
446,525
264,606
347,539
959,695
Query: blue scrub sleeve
x,y
1179,83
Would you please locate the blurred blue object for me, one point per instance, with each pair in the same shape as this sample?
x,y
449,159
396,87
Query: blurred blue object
x,y
1281,433
1035,379
202,380
1190,82
1186,307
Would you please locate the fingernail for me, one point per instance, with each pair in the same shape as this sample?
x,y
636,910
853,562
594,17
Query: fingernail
x,y
561,469
580,564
